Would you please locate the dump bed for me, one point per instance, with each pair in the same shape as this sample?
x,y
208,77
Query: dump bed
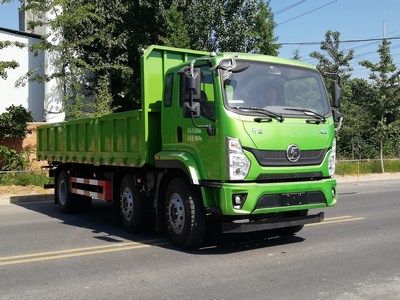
x,y
129,138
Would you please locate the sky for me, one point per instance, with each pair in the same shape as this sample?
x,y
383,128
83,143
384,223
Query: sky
x,y
354,19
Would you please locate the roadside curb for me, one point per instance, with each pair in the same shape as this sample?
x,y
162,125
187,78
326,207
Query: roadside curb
x,y
367,177
20,199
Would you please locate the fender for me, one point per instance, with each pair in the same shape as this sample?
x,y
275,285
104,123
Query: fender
x,y
179,160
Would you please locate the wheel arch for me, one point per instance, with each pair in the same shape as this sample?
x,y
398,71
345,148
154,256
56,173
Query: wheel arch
x,y
182,161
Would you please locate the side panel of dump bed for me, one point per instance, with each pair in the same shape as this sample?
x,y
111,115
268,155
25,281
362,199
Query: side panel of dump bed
x,y
124,139
115,139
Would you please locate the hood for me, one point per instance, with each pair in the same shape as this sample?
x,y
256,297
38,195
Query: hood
x,y
278,136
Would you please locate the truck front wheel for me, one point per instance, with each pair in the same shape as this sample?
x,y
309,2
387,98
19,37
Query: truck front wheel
x,y
290,231
184,214
131,206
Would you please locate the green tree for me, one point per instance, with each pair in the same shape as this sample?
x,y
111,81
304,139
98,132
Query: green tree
x,y
333,59
97,45
296,54
385,105
7,65
176,28
265,41
356,137
13,122
229,25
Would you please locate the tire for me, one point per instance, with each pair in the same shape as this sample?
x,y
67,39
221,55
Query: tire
x,y
64,198
85,203
184,214
130,204
290,231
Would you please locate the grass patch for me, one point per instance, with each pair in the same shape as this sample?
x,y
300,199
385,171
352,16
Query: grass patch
x,y
366,167
25,178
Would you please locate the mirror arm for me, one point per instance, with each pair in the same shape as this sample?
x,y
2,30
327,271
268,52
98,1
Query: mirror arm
x,y
336,75
339,124
210,128
191,100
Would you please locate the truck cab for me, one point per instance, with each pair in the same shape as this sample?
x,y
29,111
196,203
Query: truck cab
x,y
255,134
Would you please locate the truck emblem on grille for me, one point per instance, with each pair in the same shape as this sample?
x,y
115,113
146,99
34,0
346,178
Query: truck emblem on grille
x,y
293,153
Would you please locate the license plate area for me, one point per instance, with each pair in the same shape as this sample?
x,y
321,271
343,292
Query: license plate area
x,y
290,199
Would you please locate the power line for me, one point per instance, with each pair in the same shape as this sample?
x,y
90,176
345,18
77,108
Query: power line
x,y
307,12
364,45
377,36
375,51
365,53
377,58
343,41
289,7
375,61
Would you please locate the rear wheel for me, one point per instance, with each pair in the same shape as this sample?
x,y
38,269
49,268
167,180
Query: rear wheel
x,y
131,206
85,203
64,198
184,214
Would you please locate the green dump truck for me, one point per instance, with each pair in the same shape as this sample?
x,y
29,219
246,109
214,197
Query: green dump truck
x,y
243,142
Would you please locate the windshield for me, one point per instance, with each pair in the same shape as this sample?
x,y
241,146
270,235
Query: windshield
x,y
275,87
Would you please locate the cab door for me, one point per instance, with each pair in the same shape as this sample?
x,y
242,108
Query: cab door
x,y
183,134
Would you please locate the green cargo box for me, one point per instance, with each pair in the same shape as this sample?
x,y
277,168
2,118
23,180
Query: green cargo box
x,y
120,139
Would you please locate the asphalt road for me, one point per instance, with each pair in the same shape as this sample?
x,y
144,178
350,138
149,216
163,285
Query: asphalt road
x,y
354,254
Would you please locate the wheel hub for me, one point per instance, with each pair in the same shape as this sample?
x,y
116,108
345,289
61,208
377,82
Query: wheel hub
x,y
127,204
62,192
176,213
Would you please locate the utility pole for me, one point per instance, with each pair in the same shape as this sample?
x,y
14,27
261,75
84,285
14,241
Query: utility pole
x,y
384,19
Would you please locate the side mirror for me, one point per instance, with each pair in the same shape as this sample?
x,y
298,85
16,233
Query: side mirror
x,y
191,84
337,116
336,94
190,111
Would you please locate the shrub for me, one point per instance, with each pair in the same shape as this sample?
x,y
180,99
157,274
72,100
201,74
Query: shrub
x,y
25,178
13,122
366,167
11,159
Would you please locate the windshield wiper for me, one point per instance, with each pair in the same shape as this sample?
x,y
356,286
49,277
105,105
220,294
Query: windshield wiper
x,y
261,111
307,112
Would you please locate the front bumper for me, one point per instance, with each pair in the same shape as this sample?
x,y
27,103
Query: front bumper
x,y
255,191
249,226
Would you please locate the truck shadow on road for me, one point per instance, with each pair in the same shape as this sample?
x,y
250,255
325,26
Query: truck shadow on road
x,y
100,222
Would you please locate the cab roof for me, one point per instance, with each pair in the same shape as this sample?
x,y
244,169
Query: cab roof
x,y
263,58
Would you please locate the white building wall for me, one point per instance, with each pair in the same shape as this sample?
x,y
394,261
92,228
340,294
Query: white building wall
x,y
32,94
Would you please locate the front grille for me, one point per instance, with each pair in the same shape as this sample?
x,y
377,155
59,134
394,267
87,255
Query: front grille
x,y
307,176
284,200
277,158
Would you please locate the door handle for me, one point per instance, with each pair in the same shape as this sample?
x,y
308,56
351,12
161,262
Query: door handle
x,y
179,134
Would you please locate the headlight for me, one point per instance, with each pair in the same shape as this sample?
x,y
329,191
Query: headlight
x,y
239,164
332,159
